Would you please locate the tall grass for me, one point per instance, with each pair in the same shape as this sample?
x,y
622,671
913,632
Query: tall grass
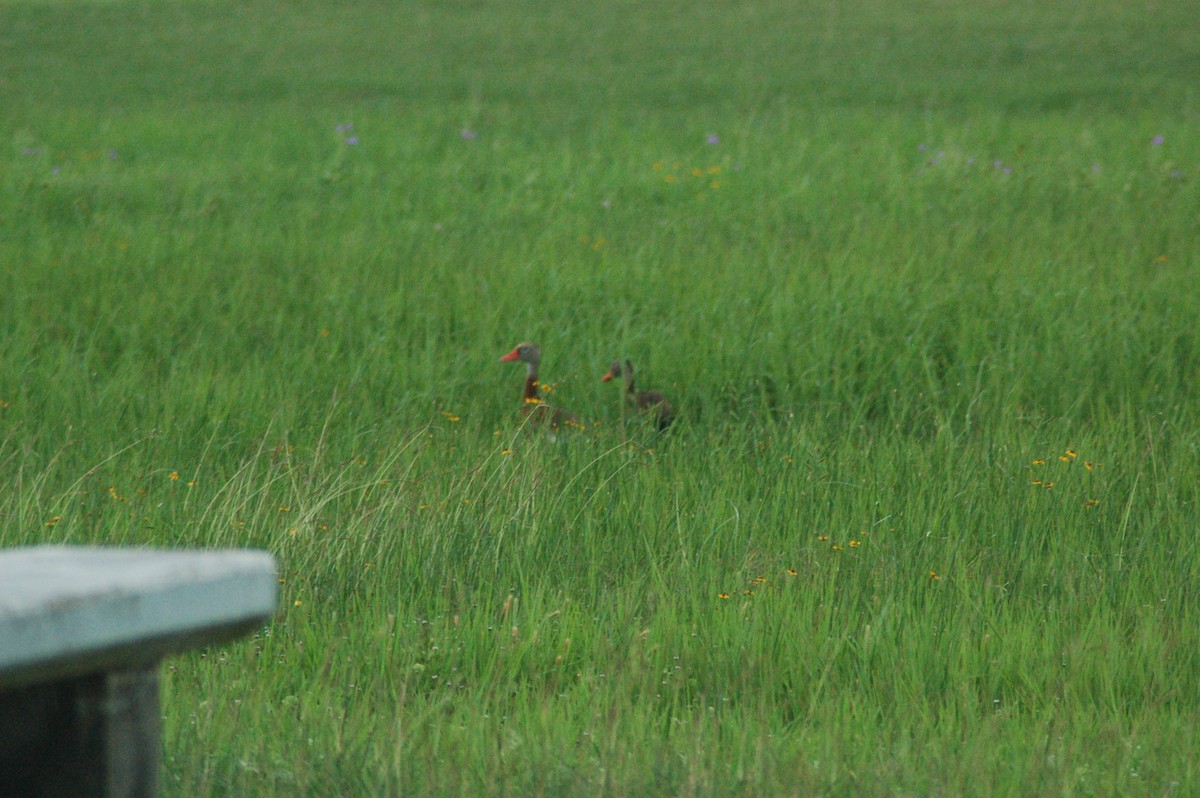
x,y
919,280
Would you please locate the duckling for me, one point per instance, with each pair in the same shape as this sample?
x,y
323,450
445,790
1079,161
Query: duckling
x,y
651,402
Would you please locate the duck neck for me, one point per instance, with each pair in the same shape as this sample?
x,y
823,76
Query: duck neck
x,y
531,382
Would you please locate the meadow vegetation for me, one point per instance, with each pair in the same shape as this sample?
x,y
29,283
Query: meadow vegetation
x,y
919,278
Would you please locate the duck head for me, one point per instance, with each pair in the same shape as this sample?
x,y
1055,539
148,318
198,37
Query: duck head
x,y
526,353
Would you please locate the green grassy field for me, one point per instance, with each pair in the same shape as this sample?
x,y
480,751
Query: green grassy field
x,y
920,279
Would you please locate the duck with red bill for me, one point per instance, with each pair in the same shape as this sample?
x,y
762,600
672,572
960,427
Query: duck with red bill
x,y
533,408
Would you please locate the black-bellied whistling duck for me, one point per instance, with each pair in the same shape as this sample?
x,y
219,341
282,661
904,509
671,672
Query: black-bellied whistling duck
x,y
532,405
651,402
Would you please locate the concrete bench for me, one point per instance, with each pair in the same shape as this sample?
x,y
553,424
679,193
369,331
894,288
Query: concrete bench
x,y
82,631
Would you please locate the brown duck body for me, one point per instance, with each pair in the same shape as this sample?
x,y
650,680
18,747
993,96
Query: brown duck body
x,y
533,409
652,403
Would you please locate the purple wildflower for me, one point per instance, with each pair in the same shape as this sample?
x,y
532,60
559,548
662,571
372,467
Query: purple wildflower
x,y
713,138
352,140
1157,141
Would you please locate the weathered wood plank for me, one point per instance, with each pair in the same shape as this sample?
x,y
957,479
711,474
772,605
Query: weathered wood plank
x,y
73,610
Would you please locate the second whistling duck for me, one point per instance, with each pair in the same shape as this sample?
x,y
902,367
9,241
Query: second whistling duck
x,y
651,402
532,407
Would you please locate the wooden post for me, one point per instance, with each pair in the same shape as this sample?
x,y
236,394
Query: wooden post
x,y
91,735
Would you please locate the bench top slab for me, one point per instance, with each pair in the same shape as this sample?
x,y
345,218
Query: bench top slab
x,y
67,610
